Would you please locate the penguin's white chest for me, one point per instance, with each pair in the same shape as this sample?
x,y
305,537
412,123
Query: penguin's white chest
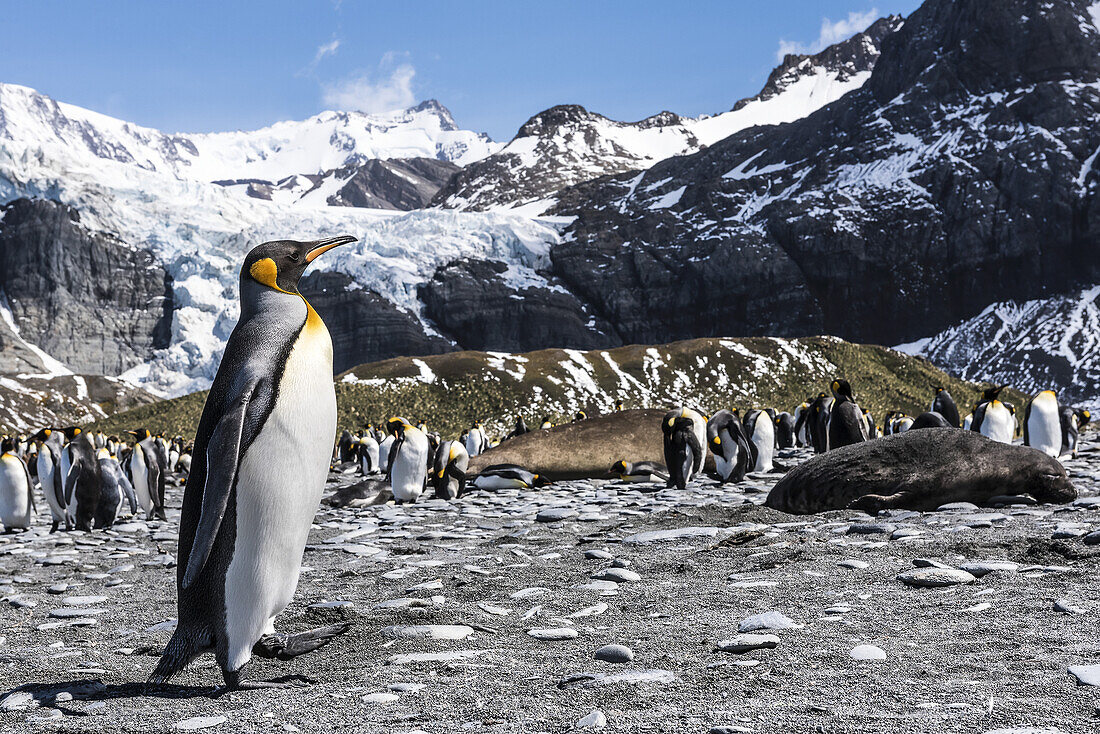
x,y
998,424
410,466
140,472
763,435
15,494
46,469
1044,430
279,485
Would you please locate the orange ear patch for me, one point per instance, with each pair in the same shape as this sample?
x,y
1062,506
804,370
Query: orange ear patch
x,y
265,272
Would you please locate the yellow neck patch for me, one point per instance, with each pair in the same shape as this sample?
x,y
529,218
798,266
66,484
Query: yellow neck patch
x,y
266,272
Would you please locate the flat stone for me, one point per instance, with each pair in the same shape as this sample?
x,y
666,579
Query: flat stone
x,y
428,631
73,612
591,611
79,601
853,563
597,555
594,720
618,575
614,654
747,643
417,658
491,609
867,652
1092,538
17,701
631,677
381,698
767,621
553,633
869,528
662,536
555,514
1086,675
981,568
529,592
1065,606
199,722
936,577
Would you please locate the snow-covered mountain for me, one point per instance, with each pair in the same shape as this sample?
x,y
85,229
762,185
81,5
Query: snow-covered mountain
x,y
1034,345
568,144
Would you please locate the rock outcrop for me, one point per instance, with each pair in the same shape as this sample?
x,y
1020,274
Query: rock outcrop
x,y
90,301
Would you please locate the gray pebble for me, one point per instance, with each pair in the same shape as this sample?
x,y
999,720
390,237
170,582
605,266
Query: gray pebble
x,y
614,654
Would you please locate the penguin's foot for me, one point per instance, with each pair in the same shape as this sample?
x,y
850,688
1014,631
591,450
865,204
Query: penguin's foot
x,y
290,646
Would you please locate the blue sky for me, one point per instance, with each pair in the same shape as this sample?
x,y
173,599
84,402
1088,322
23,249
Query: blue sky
x,y
209,66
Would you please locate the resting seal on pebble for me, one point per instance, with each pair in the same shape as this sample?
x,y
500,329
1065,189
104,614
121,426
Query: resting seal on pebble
x,y
583,450
920,470
362,494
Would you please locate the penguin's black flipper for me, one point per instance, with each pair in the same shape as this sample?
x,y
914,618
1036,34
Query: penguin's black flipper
x,y
221,474
290,646
128,490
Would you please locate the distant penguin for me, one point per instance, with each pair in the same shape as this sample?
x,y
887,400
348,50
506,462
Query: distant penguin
x,y
618,406
784,431
1042,424
968,421
1072,420
519,430
368,454
449,470
183,465
345,448
902,423
146,474
100,440
508,476
846,422
407,467
116,493
944,404
384,452
16,493
734,453
580,416
930,419
50,477
801,429
261,457
992,418
476,441
83,483
760,430
869,421
639,471
685,436
546,423
818,422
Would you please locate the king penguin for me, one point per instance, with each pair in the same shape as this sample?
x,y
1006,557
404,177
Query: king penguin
x,y
83,482
846,422
148,476
992,418
1072,420
407,469
368,453
734,454
261,459
16,496
944,404
685,438
449,470
116,488
49,475
1042,425
761,431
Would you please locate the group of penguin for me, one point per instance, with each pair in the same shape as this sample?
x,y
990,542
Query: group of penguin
x,y
412,458
89,480
825,422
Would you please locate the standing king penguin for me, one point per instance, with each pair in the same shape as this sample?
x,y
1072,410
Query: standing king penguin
x,y
261,458
49,475
1042,425
846,422
685,438
761,431
993,418
944,404
16,496
734,454
407,467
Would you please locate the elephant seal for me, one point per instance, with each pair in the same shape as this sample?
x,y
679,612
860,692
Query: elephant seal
x,y
584,449
920,470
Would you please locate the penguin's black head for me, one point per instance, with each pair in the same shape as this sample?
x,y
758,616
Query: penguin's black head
x,y
580,416
6,445
42,435
1083,417
280,264
992,393
841,388
619,467
397,426
939,389
618,405
140,434
71,432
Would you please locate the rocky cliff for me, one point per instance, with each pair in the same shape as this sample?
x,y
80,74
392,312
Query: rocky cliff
x,y
90,301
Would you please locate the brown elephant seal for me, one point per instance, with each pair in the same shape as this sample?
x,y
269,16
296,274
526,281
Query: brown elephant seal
x,y
920,470
585,449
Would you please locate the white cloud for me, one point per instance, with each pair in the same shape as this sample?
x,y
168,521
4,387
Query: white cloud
x,y
376,92
325,49
831,32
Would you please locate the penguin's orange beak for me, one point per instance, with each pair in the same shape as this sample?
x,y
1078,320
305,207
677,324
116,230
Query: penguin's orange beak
x,y
320,247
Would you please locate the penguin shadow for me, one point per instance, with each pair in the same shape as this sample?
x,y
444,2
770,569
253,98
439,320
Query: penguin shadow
x,y
90,690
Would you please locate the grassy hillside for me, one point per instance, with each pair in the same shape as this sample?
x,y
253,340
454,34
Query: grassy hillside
x,y
448,391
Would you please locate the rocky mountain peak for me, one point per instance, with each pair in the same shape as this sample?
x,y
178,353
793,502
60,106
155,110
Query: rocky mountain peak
x,y
973,47
548,121
447,120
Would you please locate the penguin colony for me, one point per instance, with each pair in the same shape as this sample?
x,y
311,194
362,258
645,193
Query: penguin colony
x,y
266,443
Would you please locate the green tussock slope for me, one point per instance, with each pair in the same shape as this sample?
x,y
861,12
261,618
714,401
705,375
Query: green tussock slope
x,y
449,391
